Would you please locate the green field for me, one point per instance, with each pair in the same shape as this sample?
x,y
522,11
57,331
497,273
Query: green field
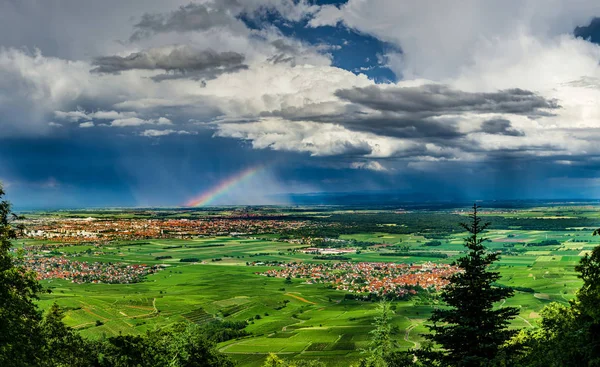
x,y
316,321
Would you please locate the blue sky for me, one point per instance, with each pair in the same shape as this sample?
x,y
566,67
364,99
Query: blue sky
x,y
130,103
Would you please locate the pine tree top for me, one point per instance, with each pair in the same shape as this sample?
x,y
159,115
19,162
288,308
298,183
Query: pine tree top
x,y
471,330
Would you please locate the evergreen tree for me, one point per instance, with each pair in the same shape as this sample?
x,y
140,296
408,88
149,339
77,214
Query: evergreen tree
x,y
381,342
470,331
381,345
20,341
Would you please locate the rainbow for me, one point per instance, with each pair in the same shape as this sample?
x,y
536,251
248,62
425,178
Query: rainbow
x,y
223,187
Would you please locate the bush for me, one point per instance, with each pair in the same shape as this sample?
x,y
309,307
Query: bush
x,y
189,260
545,243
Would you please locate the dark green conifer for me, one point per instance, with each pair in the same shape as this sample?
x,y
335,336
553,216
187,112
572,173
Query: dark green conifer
x,y
471,330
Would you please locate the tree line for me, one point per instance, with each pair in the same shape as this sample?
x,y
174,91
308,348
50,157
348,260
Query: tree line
x,y
431,225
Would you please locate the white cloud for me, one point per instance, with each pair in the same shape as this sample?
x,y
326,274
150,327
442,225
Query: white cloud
x,y
87,124
486,46
155,133
164,121
318,139
132,121
151,133
469,46
111,115
78,115
438,39
34,87
136,121
71,116
283,87
370,165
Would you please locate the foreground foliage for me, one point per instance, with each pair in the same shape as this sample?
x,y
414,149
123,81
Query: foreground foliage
x,y
19,317
568,335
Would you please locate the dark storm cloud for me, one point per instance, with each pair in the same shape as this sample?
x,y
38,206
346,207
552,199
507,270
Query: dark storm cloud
x,y
400,127
182,61
500,127
436,100
192,17
384,123
428,113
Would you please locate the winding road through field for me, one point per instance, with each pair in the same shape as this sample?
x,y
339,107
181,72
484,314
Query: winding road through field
x,y
407,335
527,322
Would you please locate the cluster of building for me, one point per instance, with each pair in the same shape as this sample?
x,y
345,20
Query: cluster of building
x,y
77,230
382,279
327,251
59,267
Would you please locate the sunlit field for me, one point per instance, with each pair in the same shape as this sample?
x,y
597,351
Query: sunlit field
x,y
220,279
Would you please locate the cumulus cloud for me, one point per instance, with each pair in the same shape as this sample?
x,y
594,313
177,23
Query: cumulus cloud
x,y
31,86
135,121
440,44
152,133
520,84
132,121
318,139
369,165
164,121
78,115
191,17
517,46
294,52
71,116
215,14
181,61
119,119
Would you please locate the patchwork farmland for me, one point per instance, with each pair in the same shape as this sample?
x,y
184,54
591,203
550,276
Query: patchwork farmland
x,y
201,279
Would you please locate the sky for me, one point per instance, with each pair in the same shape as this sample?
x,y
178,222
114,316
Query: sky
x,y
157,103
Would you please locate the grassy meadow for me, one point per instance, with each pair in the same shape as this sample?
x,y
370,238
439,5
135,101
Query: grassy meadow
x,y
297,320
